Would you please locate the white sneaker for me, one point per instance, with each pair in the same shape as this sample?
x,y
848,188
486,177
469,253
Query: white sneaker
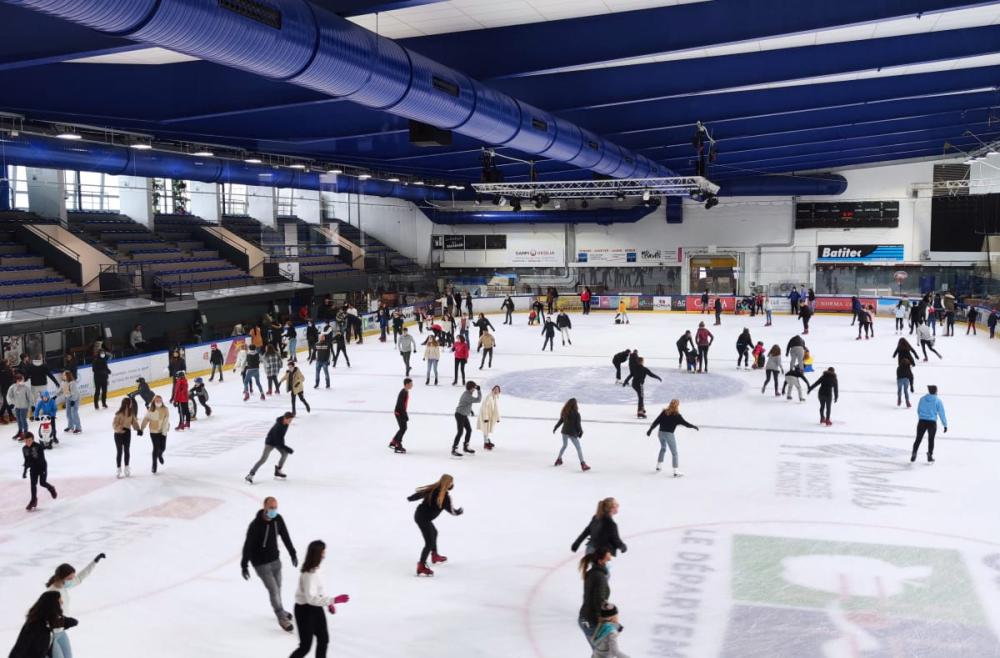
x,y
678,474
119,474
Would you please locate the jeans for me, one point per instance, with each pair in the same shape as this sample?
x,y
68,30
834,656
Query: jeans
x,y
252,375
270,575
324,367
576,444
22,420
432,364
311,621
60,646
903,389
293,344
768,314
406,360
488,352
73,415
667,441
267,453
588,630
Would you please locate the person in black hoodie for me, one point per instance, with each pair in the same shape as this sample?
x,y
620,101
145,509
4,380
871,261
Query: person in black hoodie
x,y
667,422
572,431
44,617
99,369
434,499
312,337
617,360
34,463
549,331
217,360
340,348
260,548
828,394
638,382
508,308
143,391
633,366
684,343
805,312
564,324
483,323
743,346
275,441
402,417
602,530
594,570
38,374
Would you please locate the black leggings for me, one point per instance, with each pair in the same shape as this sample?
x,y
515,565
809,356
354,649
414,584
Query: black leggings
x,y
549,340
743,356
100,392
301,397
825,405
899,323
183,413
273,380
123,442
703,353
928,345
930,427
159,447
311,620
337,354
507,318
430,534
40,477
767,377
641,402
398,437
680,356
459,365
463,425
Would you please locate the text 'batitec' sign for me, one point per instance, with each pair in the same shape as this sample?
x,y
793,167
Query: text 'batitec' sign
x,y
859,252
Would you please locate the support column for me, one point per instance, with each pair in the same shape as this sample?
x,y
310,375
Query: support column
x,y
46,193
206,201
136,197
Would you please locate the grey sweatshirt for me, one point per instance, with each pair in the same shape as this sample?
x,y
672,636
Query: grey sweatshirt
x,y
773,363
407,344
466,402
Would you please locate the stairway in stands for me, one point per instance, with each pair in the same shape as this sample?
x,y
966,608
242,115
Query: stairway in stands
x,y
379,257
25,280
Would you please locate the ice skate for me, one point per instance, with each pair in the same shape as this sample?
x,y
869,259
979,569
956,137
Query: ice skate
x,y
455,452
399,450
32,505
128,472
278,473
285,624
678,474
248,478
930,459
437,559
119,474
422,570
488,445
913,456
659,466
262,397
584,467
558,462
468,450
246,396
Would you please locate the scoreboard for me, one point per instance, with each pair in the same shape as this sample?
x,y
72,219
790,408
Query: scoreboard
x,y
847,214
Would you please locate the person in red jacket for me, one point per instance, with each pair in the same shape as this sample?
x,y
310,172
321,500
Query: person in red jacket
x,y
703,338
461,358
181,400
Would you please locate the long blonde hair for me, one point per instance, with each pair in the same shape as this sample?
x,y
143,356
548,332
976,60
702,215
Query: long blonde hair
x,y
604,507
671,409
442,486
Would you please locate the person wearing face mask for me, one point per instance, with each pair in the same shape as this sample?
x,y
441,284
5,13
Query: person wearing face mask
x,y
158,421
99,369
38,375
595,570
260,548
62,581
35,464
434,499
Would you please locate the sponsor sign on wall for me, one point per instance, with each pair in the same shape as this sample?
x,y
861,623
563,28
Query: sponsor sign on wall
x,y
859,253
661,303
628,256
840,304
533,256
728,303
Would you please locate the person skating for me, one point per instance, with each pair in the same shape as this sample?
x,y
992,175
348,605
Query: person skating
x,y
19,399
260,549
564,324
904,379
929,409
402,416
572,431
684,343
35,464
602,531
470,396
595,572
904,349
794,378
805,313
468,303
216,358
251,372
321,357
432,354
605,638
272,368
704,301
44,619
633,366
638,385
158,421
486,343
144,392
198,393
38,376
291,340
461,358
62,581
926,340
397,326
617,360
100,371
69,394
508,308
768,310
122,424
340,348
772,369
667,423
549,331
829,392
181,399
866,322
434,499
795,350
703,338
312,338
900,314
718,311
855,309
622,316
406,346
539,308
46,409
489,416
483,323
310,600
275,440
296,383
743,345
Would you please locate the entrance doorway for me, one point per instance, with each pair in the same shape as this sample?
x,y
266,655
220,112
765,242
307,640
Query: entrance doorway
x,y
716,274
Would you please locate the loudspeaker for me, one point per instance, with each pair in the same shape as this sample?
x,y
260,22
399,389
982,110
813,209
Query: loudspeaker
x,y
422,134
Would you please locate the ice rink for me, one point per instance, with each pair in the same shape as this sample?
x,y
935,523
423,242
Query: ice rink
x,y
785,538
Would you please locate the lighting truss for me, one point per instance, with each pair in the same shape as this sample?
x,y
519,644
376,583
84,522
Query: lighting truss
x,y
597,189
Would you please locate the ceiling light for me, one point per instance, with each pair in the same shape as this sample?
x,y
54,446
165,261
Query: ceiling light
x,y
297,165
393,180
203,154
252,160
68,135
364,176
335,171
418,182
140,146
439,185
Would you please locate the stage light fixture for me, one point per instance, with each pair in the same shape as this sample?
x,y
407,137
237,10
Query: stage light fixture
x,y
393,180
297,165
620,195
584,204
515,204
252,160
68,134
645,195
140,146
712,202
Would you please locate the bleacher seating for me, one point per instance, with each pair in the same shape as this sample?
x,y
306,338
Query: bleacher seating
x,y
252,231
24,278
378,255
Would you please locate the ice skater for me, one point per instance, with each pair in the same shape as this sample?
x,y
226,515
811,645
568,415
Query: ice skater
x,y
461,358
470,396
320,354
19,399
549,331
508,308
795,350
432,354
564,324
605,638
340,348
251,371
866,322
743,346
805,313
217,360
483,323
101,372
926,340
401,415
272,368
718,311
904,349
157,419
310,600
124,421
602,531
35,464
69,394
434,499
772,369
296,382
703,338
199,393
829,393
900,314
260,549
64,579
622,316
794,378
43,620
638,385
904,379
181,398
486,343
489,416
667,423
275,440
46,409
572,431
633,365
929,409
406,346
617,360
594,569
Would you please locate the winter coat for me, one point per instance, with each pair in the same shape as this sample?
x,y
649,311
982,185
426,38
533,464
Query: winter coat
x,y
572,425
461,350
322,353
35,640
621,357
121,422
216,358
158,420
489,414
99,369
744,341
432,353
45,406
603,532
296,380
181,391
595,592
256,339
38,375
487,341
774,363
312,334
562,320
795,341
146,393
19,396
261,543
272,364
669,422
198,392
549,328
827,384
606,642
703,337
34,457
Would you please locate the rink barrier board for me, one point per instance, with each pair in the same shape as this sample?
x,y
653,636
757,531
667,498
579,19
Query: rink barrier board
x,y
153,366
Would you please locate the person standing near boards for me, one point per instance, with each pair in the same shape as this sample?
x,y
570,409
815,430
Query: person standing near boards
x,y
434,499
217,360
260,549
508,308
929,409
310,599
100,371
572,431
585,298
667,423
402,417
718,311
704,301
470,396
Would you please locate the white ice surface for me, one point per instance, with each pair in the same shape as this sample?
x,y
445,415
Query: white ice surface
x,y
804,540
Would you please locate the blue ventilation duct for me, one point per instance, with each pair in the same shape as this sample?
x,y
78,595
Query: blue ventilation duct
x,y
298,42
782,185
51,153
598,216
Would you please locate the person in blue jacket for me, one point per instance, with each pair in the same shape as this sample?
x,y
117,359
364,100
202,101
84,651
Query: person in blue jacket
x,y
46,408
929,409
793,298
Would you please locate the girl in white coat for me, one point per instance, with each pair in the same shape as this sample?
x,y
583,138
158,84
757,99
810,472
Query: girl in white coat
x,y
489,416
64,579
310,599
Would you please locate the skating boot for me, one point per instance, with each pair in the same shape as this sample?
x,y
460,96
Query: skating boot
x,y
262,397
278,473
678,474
899,402
249,478
455,452
246,396
32,505
930,458
128,472
422,570
119,475
286,624
488,445
467,449
659,466
641,414
436,559
392,444
399,449
908,405
584,467
913,456
558,462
